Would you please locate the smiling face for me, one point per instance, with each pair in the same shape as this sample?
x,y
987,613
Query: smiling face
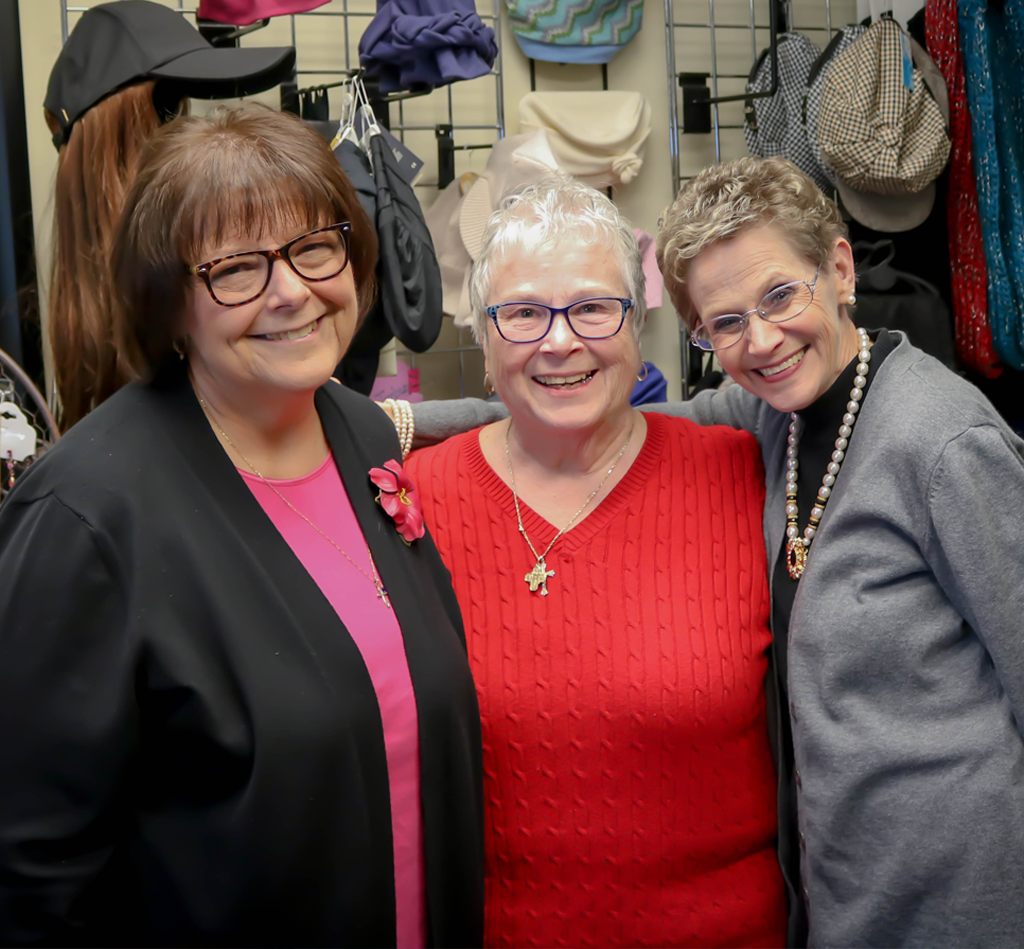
x,y
288,340
790,364
561,382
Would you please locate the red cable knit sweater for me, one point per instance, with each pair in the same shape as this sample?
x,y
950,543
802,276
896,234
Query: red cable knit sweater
x,y
629,786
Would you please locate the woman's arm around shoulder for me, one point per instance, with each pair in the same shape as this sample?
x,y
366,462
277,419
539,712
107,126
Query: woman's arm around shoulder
x,y
68,717
732,406
443,418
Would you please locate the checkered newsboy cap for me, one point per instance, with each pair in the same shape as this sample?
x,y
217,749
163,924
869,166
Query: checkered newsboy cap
x,y
877,133
773,125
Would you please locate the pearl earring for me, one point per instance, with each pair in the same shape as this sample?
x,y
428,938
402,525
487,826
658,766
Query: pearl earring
x,y
851,299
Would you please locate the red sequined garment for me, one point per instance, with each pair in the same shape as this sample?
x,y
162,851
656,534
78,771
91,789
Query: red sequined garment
x,y
968,271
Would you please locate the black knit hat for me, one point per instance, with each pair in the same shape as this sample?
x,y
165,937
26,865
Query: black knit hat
x,y
117,43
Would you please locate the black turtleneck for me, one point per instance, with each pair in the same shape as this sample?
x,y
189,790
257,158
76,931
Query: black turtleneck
x,y
818,434
821,421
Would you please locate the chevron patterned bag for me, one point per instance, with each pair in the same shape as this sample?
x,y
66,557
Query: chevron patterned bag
x,y
574,31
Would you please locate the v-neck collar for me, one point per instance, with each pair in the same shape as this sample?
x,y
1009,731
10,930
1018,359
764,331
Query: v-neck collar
x,y
188,427
541,530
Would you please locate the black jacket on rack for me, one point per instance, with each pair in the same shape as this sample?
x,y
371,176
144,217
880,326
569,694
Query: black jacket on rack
x,y
191,750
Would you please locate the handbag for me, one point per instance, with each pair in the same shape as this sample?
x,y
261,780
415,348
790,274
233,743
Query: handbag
x,y
901,301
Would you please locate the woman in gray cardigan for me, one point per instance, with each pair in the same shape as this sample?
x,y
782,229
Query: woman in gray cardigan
x,y
895,535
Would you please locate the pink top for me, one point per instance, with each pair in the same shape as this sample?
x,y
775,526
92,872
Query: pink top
x,y
322,498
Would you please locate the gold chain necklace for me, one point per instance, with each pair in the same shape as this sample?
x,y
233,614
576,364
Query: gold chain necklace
x,y
378,584
537,578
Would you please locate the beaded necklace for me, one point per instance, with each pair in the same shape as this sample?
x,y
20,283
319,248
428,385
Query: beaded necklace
x,y
797,547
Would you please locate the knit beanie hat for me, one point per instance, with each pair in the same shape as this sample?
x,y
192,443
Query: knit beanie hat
x,y
598,137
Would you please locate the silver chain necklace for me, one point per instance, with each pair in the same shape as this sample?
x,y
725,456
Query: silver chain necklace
x,y
537,578
797,546
378,584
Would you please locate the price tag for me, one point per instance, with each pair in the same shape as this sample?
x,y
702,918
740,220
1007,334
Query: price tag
x,y
908,62
409,164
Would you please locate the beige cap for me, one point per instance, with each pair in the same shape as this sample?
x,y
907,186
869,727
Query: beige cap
x,y
598,137
515,162
457,220
442,219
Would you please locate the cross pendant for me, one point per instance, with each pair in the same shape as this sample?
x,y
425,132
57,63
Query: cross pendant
x,y
382,594
538,577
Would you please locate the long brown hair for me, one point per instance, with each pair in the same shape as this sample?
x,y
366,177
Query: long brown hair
x,y
242,170
92,358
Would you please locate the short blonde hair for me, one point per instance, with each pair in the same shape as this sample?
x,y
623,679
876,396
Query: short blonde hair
x,y
551,209
727,199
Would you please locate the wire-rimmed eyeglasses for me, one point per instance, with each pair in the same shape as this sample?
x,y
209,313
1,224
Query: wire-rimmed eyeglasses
x,y
777,305
241,278
596,318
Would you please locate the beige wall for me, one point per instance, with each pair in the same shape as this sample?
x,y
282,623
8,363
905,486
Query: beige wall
x,y
641,66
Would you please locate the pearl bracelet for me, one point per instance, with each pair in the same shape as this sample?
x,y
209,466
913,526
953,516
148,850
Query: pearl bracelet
x,y
405,423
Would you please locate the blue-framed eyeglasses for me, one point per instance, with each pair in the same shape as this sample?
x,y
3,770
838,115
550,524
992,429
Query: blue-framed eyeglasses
x,y
596,318
777,305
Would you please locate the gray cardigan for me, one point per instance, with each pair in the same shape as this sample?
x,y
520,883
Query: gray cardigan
x,y
906,663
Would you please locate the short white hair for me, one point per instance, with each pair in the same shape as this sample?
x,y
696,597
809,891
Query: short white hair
x,y
556,207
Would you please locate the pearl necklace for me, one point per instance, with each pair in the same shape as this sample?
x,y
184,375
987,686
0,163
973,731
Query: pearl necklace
x,y
405,422
797,546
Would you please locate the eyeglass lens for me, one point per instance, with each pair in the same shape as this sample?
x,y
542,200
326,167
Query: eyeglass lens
x,y
776,306
316,256
590,319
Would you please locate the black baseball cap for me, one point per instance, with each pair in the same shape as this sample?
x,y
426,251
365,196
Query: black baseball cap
x,y
130,40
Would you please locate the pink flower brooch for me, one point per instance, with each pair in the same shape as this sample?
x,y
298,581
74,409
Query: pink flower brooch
x,y
398,497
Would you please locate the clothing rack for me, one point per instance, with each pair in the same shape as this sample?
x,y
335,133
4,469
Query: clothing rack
x,y
427,123
353,19
706,122
533,75
715,50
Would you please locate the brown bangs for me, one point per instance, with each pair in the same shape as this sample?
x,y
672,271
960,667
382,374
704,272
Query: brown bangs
x,y
240,173
251,197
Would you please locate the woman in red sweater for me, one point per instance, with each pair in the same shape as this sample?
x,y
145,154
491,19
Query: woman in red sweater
x,y
612,578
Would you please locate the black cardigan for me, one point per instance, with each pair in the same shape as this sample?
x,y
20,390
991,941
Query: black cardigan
x,y
191,750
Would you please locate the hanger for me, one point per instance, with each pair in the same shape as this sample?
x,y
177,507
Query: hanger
x,y
315,104
881,9
364,112
783,15
226,34
346,128
356,112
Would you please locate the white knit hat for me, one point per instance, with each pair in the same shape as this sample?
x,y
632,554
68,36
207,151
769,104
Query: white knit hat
x,y
598,137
